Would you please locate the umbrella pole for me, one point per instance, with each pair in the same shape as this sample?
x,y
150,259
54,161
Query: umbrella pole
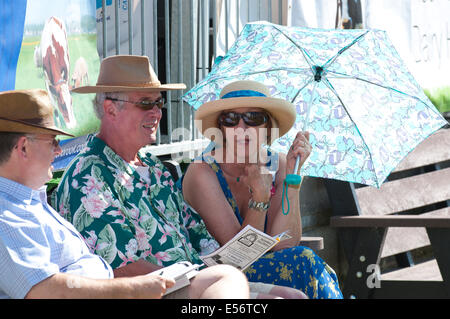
x,y
295,179
297,164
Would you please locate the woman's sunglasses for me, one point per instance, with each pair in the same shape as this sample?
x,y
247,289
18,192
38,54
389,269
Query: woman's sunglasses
x,y
144,104
231,119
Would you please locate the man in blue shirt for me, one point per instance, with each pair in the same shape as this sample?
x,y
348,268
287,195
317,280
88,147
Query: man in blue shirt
x,y
42,255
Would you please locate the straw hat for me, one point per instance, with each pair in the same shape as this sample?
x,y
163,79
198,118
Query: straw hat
x,y
246,94
122,73
27,111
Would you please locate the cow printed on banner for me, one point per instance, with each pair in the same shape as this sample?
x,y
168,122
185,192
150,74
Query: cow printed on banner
x,y
53,56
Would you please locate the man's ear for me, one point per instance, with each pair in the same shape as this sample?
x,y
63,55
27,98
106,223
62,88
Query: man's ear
x,y
109,108
22,147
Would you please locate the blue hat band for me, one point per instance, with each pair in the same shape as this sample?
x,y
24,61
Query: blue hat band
x,y
243,93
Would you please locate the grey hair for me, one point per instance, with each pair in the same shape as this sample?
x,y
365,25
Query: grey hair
x,y
102,96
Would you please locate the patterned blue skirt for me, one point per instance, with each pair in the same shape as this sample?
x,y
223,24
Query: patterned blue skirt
x,y
297,267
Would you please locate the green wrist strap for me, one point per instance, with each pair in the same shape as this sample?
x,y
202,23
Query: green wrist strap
x,y
290,180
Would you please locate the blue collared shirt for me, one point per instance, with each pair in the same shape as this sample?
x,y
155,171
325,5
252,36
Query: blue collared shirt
x,y
36,243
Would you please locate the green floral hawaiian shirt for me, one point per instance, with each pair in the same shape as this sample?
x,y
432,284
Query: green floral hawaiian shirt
x,y
123,218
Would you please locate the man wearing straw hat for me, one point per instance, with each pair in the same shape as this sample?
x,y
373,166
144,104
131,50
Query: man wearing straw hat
x,y
121,198
41,254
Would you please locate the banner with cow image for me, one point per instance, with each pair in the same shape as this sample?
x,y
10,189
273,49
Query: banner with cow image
x,y
59,52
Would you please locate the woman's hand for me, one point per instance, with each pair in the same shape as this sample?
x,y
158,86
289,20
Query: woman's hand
x,y
300,147
259,182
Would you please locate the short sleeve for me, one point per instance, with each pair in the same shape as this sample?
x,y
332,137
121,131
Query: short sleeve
x,y
24,254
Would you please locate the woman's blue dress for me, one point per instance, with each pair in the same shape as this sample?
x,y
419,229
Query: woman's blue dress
x,y
297,267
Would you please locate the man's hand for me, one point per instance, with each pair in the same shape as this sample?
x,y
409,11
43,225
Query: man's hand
x,y
151,286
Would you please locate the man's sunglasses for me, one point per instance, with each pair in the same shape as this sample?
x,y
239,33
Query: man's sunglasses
x,y
144,104
231,119
54,141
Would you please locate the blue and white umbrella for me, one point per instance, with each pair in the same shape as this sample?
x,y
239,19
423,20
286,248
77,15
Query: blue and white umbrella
x,y
364,110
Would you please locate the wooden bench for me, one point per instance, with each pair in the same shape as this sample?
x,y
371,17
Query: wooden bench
x,y
410,213
315,243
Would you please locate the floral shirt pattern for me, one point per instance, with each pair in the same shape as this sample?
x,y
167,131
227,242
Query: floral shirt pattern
x,y
122,218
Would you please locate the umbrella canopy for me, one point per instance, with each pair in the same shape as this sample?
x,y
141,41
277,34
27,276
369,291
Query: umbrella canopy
x,y
362,107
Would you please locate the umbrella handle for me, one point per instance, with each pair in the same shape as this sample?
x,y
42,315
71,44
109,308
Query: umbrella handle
x,y
297,164
291,179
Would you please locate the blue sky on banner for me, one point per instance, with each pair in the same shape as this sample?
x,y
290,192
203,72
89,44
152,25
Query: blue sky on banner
x,y
12,17
62,9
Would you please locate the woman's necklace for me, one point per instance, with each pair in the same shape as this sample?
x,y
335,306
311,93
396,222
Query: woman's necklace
x,y
233,177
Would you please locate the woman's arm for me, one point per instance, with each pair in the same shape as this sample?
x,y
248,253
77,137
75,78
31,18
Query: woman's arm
x,y
277,221
201,190
259,183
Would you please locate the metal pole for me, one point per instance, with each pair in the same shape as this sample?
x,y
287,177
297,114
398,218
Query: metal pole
x,y
259,10
142,28
180,60
205,42
214,22
130,27
167,58
104,28
155,36
270,11
155,55
117,25
227,23
280,12
237,18
191,112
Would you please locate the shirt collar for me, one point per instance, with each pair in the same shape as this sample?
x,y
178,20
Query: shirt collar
x,y
100,147
20,191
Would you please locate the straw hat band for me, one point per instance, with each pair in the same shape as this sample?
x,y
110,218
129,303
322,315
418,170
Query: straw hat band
x,y
243,93
246,94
